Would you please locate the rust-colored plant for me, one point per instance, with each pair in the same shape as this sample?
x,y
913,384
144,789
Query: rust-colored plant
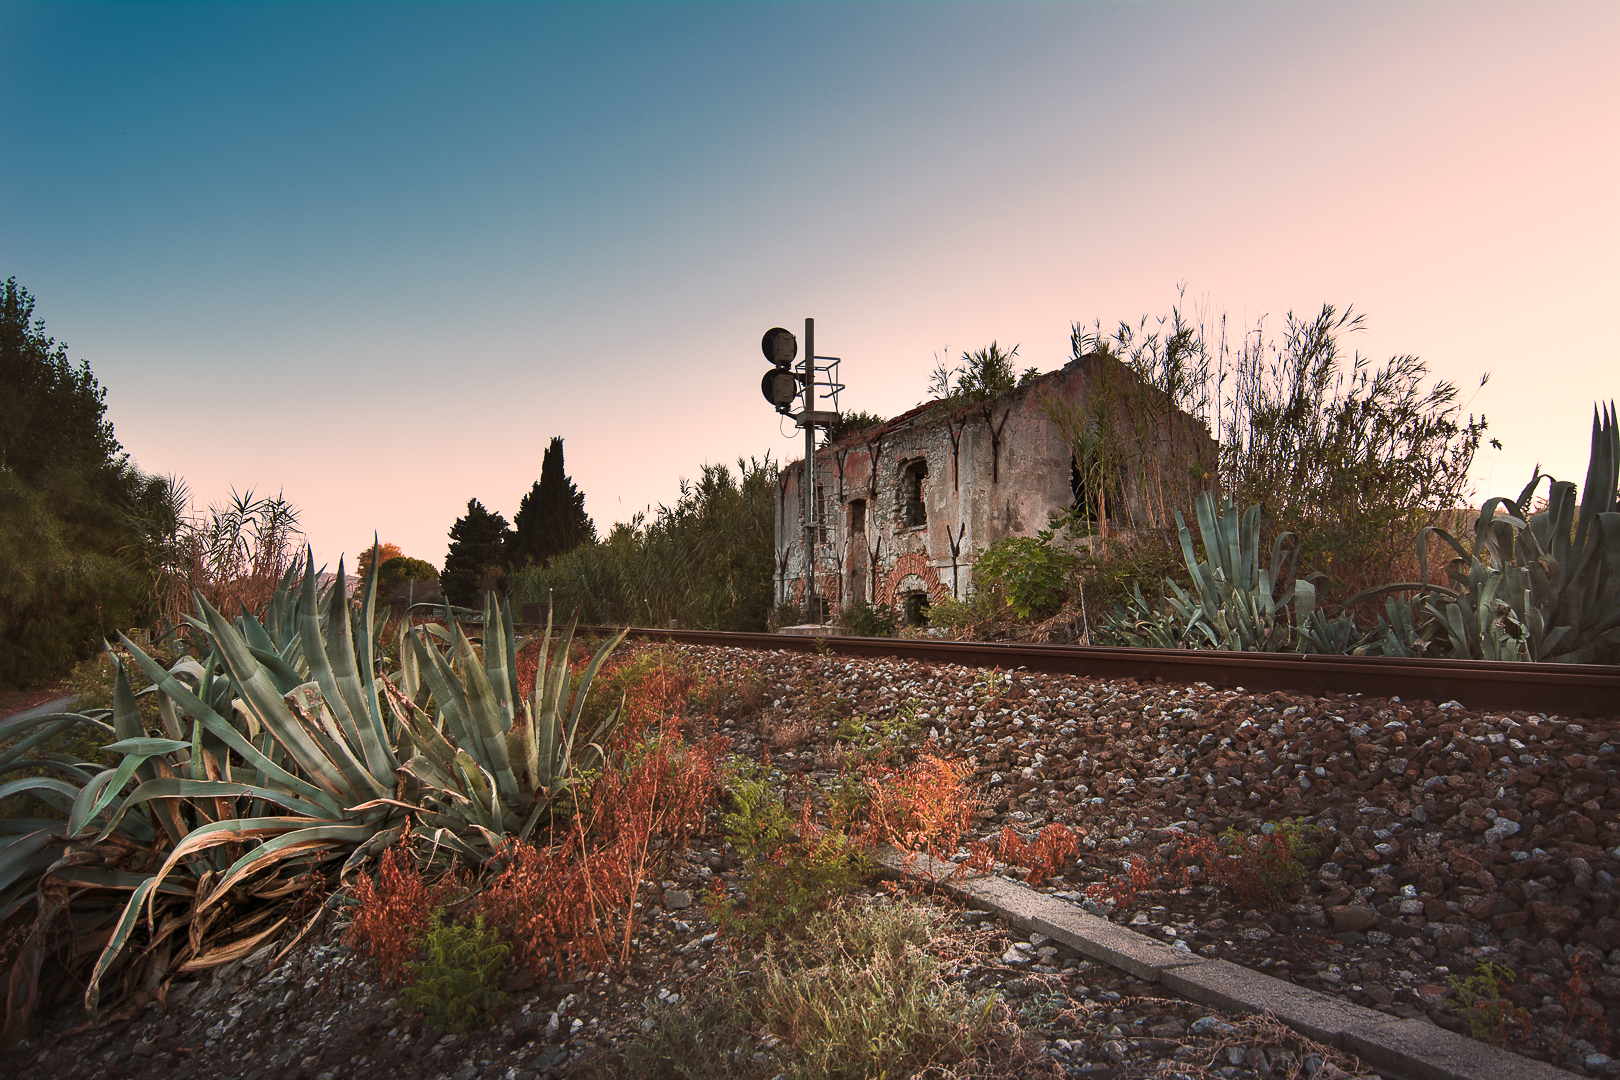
x,y
924,806
565,903
1586,1015
395,910
1043,856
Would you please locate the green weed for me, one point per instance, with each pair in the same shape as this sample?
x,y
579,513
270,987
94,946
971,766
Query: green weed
x,y
1482,996
458,984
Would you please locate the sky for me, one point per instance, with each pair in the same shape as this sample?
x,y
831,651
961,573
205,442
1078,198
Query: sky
x,y
374,256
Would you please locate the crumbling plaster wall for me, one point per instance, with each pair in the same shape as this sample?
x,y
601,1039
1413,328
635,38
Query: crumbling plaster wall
x,y
994,469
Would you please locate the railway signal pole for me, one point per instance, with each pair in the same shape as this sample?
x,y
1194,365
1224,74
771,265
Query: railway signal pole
x,y
780,386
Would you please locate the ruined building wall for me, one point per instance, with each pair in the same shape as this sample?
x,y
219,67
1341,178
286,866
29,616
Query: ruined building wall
x,y
906,507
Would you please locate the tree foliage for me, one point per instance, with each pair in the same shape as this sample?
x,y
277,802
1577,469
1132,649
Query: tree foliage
x,y
850,422
67,492
379,553
705,562
52,414
1352,456
402,568
551,519
477,540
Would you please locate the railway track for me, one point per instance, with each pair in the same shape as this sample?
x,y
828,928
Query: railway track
x,y
1573,690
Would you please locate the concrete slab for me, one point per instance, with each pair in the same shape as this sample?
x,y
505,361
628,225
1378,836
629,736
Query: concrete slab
x,y
1094,938
1421,1051
1411,1049
1228,986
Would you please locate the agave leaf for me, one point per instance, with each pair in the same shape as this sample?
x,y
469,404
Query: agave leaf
x,y
359,691
115,944
410,672
284,846
318,654
49,726
446,688
480,788
589,676
469,709
285,675
365,646
234,831
94,796
147,746
488,720
177,788
173,688
330,763
24,856
236,950
498,659
57,794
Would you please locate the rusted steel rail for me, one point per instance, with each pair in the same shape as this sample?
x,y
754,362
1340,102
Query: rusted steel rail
x,y
1575,690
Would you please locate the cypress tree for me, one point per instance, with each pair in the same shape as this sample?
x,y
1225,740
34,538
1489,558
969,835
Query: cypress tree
x,y
476,540
551,520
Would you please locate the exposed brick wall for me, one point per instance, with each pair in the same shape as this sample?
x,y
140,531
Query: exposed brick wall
x,y
911,563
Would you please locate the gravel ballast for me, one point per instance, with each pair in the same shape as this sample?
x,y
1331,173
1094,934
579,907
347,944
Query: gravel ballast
x,y
1446,837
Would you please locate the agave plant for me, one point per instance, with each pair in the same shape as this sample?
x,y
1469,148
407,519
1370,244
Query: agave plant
x,y
283,752
1533,586
1235,603
491,762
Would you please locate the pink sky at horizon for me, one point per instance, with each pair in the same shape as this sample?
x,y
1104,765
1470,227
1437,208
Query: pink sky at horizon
x,y
383,298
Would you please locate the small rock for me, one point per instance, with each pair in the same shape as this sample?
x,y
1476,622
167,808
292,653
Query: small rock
x,y
1018,955
1503,829
677,900
1209,1025
1353,918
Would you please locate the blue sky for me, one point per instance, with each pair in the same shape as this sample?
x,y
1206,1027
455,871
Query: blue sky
x,y
375,256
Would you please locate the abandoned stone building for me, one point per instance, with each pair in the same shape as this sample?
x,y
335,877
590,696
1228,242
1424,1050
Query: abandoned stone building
x,y
904,508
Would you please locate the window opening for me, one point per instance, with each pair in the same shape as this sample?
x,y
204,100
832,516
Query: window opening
x,y
915,607
857,519
913,510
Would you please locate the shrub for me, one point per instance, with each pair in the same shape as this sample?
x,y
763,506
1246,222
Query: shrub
x,y
1043,856
706,562
1033,570
797,867
869,620
1268,865
962,616
573,900
925,806
1483,996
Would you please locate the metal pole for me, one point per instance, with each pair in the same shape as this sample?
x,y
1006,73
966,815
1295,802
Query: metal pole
x,y
809,471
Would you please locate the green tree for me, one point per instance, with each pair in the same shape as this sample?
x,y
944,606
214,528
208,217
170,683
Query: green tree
x,y
850,422
706,561
476,542
551,519
402,568
67,499
52,414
